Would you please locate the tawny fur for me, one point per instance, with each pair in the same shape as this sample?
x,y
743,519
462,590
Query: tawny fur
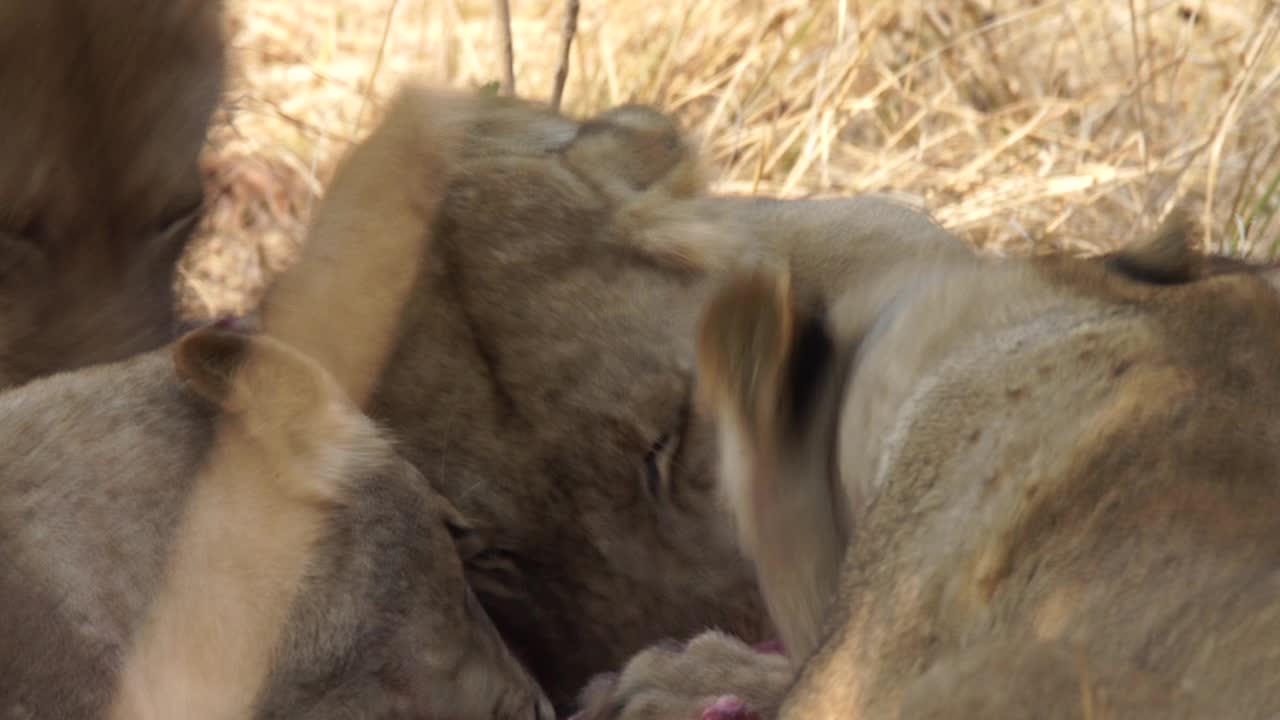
x,y
290,435
633,149
570,431
1054,510
565,434
641,161
288,443
747,362
566,429
342,302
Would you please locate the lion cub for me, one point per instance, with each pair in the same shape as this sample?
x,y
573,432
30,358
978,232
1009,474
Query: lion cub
x,y
288,442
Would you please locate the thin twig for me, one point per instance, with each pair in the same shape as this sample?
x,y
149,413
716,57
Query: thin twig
x,y
1138,58
502,15
569,29
377,67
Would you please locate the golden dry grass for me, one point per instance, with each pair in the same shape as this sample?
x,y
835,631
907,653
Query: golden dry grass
x,y
1021,125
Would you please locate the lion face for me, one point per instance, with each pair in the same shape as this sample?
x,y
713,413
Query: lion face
x,y
558,366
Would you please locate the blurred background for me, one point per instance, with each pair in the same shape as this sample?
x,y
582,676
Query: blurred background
x,y
1022,126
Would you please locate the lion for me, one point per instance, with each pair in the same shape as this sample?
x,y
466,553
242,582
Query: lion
x,y
566,426
289,441
572,432
382,624
125,482
558,511
102,441
552,329
1034,487
107,105
535,329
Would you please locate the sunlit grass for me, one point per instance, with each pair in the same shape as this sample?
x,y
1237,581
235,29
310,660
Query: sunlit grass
x,y
1023,126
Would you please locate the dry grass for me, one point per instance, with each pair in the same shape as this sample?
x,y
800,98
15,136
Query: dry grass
x,y
1021,125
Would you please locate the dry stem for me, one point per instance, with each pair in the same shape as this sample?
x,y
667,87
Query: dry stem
x,y
569,29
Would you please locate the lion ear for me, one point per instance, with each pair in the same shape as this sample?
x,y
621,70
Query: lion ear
x,y
1167,256
208,358
764,352
743,339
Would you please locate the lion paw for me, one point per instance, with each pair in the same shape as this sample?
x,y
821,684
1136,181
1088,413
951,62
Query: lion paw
x,y
729,707
715,677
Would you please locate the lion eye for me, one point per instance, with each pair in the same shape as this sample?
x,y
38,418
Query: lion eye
x,y
495,572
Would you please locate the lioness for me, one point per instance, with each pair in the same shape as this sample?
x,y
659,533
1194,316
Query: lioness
x,y
541,380
383,624
1031,488
557,350
106,105
289,441
121,481
100,143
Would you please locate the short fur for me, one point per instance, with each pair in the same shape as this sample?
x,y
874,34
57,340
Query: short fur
x,y
382,626
289,441
565,431
755,368
1059,479
630,149
341,302
106,106
640,161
